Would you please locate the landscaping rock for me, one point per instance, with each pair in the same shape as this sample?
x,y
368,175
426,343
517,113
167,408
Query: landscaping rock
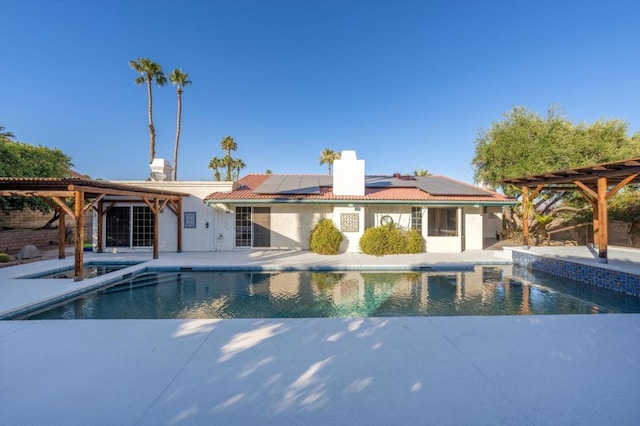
x,y
28,252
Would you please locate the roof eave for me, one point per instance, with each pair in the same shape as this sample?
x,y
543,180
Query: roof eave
x,y
355,201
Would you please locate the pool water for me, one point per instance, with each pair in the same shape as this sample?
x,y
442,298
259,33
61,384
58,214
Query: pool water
x,y
90,270
218,294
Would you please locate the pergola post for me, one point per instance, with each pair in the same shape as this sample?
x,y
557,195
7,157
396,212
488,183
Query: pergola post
x,y
179,222
62,235
78,274
156,227
100,226
603,237
525,216
596,224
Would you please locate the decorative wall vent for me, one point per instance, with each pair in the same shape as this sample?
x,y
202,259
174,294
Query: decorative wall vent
x,y
350,222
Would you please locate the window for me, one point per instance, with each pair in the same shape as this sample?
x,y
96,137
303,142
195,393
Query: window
x,y
243,226
130,226
118,227
416,219
443,222
143,224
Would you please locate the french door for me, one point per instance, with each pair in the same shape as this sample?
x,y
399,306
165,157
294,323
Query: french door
x,y
253,227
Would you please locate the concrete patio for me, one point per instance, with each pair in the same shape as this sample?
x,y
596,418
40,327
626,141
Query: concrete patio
x,y
532,370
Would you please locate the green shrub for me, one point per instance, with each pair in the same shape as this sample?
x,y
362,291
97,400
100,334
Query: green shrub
x,y
415,243
390,239
4,257
325,238
375,241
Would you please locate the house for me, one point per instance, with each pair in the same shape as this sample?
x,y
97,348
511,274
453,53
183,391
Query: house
x,y
279,211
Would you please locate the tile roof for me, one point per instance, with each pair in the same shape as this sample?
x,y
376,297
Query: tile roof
x,y
389,190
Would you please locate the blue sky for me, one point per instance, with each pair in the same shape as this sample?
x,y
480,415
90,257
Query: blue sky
x,y
407,84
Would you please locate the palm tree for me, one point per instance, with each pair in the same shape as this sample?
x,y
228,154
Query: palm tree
x,y
149,71
238,164
179,79
228,144
421,172
215,164
329,156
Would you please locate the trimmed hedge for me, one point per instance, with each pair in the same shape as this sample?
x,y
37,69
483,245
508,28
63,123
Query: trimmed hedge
x,y
325,238
4,257
390,239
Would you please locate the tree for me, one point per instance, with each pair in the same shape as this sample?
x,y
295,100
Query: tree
x,y
24,160
149,71
180,80
525,143
268,172
238,164
6,135
421,172
215,164
228,145
328,156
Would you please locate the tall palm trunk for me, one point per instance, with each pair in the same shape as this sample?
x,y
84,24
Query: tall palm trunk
x,y
152,130
175,148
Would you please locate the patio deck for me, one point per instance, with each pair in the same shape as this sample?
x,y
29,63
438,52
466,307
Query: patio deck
x,y
531,370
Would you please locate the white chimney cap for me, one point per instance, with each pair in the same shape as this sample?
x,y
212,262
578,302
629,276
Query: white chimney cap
x,y
161,169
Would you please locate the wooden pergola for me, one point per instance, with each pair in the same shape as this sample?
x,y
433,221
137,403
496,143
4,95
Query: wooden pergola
x,y
596,183
76,196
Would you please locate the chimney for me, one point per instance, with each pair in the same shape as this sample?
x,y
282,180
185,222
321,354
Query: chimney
x,y
348,174
161,169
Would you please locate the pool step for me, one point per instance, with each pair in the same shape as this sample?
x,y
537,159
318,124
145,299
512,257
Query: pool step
x,y
144,280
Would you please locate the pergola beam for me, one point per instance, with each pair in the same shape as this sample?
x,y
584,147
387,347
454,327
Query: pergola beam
x,y
592,182
55,190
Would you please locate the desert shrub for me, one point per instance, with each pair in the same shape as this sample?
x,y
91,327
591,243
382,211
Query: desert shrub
x,y
415,243
390,239
375,241
325,238
4,257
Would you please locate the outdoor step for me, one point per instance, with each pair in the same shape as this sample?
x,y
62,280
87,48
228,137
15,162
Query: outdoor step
x,y
145,280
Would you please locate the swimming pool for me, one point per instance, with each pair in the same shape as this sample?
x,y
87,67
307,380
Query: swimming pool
x,y
163,294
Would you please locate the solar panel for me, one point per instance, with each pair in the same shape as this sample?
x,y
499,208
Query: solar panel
x,y
289,184
307,184
437,185
434,185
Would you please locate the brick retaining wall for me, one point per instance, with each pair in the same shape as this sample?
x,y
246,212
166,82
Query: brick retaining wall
x,y
13,240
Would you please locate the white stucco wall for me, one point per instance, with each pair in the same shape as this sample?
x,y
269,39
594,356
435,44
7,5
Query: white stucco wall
x,y
291,224
351,241
400,214
492,221
201,238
